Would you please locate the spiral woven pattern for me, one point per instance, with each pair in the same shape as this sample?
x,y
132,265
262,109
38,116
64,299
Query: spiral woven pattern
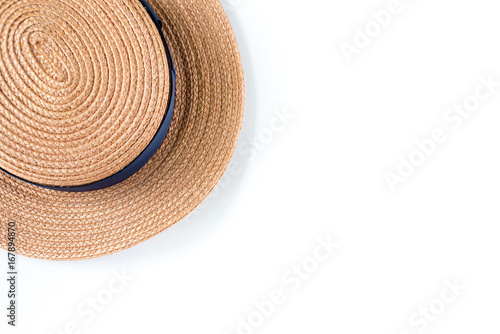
x,y
76,98
84,88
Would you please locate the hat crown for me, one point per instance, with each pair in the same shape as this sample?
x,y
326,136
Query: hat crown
x,y
84,87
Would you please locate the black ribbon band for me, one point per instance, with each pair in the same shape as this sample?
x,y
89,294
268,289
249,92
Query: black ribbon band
x,y
152,147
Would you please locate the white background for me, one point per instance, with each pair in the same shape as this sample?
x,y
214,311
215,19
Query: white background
x,y
322,176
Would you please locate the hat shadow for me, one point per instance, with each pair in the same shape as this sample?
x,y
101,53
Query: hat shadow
x,y
211,216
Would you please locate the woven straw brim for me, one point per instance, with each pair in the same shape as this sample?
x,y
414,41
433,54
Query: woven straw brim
x,y
207,119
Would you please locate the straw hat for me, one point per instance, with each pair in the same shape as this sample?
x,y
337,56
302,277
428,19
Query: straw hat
x,y
117,118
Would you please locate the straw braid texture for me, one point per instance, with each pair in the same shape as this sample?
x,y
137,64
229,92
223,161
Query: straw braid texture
x,y
85,85
207,120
